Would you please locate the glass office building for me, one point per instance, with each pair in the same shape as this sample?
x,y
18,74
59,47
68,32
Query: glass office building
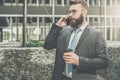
x,y
102,14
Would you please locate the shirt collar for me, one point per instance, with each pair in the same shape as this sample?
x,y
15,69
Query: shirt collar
x,y
82,28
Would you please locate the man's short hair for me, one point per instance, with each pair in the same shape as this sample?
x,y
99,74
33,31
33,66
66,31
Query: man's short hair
x,y
82,2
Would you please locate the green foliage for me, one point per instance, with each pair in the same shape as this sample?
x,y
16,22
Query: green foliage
x,y
113,70
34,43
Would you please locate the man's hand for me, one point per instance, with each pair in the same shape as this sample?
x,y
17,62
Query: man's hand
x,y
62,21
71,58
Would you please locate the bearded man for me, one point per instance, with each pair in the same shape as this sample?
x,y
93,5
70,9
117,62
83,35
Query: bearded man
x,y
80,49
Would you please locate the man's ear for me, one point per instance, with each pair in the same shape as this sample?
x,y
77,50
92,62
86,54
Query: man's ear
x,y
85,12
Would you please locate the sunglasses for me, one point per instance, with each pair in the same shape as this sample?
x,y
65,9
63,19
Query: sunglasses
x,y
73,11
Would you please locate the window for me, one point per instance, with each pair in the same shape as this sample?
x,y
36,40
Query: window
x,y
34,1
13,19
108,22
113,29
10,2
102,21
21,19
21,1
34,19
65,2
40,1
102,2
48,20
29,20
7,1
62,2
40,19
1,2
94,2
108,33
13,1
95,21
115,34
3,21
47,1
90,2
91,21
59,1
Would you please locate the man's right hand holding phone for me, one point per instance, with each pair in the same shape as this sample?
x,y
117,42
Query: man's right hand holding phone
x,y
62,22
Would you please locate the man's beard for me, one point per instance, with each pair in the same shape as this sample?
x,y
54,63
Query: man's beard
x,y
77,22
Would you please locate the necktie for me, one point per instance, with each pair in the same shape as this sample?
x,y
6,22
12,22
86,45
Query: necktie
x,y
72,46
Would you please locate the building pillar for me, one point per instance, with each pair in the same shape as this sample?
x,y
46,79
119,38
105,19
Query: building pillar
x,y
24,23
11,31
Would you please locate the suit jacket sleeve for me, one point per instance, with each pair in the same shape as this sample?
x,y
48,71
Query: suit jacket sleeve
x,y
51,39
101,59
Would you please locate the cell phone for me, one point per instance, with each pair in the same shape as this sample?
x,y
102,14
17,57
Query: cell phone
x,y
68,21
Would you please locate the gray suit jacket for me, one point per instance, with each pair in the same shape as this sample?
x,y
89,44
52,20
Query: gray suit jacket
x,y
91,49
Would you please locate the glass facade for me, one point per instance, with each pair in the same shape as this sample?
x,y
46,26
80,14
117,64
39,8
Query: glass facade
x,y
102,14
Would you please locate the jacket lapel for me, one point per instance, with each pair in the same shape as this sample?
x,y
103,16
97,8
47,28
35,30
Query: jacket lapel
x,y
84,34
68,37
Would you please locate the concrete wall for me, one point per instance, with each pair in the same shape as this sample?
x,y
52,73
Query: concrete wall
x,y
37,64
